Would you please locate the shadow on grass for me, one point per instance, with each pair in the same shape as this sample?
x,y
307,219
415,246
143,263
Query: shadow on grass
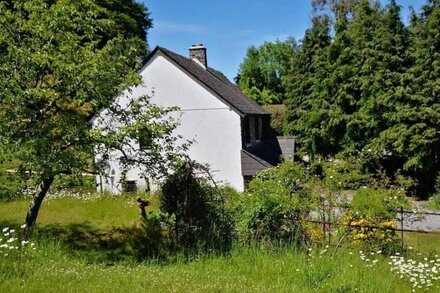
x,y
85,241
109,246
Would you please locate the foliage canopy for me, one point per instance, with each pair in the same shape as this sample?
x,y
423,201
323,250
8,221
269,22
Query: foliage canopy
x,y
61,62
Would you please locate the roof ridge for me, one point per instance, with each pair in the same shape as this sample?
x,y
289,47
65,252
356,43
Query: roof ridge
x,y
209,77
208,68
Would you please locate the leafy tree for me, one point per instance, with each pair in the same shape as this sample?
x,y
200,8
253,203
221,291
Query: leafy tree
x,y
374,59
306,99
130,18
56,72
412,139
260,74
340,94
372,89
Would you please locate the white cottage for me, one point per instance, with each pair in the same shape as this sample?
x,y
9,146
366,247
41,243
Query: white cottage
x,y
230,131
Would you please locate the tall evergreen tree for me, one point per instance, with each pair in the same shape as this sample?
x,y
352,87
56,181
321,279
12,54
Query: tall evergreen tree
x,y
382,61
413,140
305,96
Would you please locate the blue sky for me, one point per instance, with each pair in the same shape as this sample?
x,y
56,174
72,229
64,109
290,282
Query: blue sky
x,y
228,27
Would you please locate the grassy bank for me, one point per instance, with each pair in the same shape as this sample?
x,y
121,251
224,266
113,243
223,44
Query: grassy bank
x,y
52,269
79,247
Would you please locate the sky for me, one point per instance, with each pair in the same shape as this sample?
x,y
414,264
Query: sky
x,y
228,28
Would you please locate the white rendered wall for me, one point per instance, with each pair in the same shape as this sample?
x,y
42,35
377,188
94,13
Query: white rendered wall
x,y
212,124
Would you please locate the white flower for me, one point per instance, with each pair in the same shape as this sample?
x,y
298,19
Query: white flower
x,y
23,226
5,229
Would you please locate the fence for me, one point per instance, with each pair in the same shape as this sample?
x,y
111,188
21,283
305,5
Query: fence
x,y
408,221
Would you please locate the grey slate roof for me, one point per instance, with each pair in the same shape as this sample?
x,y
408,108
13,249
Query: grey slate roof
x,y
266,153
215,81
251,164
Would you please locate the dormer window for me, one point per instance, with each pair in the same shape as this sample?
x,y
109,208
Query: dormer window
x,y
252,129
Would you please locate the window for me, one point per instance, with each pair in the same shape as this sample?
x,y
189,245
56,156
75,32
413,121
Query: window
x,y
252,129
130,186
246,131
259,128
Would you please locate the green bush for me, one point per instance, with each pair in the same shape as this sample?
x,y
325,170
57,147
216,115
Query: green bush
x,y
434,202
275,206
371,219
201,221
346,174
10,184
436,197
153,236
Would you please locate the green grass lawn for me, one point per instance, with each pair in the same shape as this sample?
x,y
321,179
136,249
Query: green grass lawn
x,y
79,249
103,213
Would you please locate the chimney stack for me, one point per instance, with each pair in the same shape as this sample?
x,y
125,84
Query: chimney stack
x,y
197,53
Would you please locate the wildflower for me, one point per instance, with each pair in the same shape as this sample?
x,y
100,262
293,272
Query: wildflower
x,y
23,226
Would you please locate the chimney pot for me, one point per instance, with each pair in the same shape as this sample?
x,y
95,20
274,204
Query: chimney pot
x,y
197,53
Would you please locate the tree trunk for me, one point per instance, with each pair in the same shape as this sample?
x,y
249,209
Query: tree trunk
x,y
35,205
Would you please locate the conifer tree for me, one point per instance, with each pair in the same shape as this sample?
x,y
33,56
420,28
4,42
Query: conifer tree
x,y
412,140
305,98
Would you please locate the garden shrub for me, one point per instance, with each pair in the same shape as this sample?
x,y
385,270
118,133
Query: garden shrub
x,y
435,199
201,221
346,173
371,219
10,184
153,236
437,184
275,206
434,202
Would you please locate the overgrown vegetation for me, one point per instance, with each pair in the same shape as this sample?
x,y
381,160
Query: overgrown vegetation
x,y
91,252
360,83
61,63
274,208
192,218
370,222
